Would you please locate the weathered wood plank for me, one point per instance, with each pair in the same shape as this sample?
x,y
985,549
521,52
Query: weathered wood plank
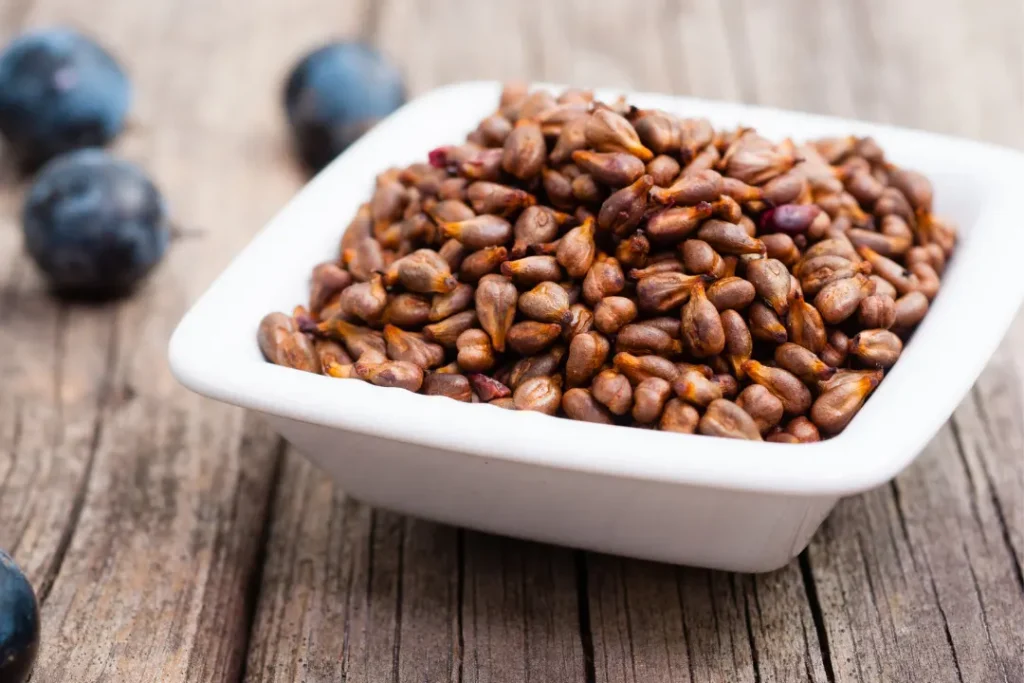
x,y
154,582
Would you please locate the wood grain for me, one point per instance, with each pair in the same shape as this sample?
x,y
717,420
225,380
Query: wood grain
x,y
172,539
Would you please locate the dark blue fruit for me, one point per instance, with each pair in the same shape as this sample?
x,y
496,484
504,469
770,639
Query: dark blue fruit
x,y
335,94
94,224
19,623
59,91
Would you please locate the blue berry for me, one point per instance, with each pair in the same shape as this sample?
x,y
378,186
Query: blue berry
x,y
59,91
19,623
335,94
94,224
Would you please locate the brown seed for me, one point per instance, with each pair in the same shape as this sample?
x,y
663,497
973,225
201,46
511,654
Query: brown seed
x,y
725,418
572,137
358,229
446,332
704,186
803,430
771,281
876,348
838,300
877,312
576,249
910,310
454,386
927,279
679,416
494,130
357,340
612,389
738,343
706,158
452,210
606,131
892,201
543,364
755,160
475,353
836,349
453,252
726,383
672,225
662,292
802,363
693,387
452,188
659,132
762,405
795,397
780,246
524,150
424,271
446,305
841,400
330,352
539,394
729,293
663,169
728,210
529,337
484,164
558,189
587,353
824,270
765,325
701,325
729,238
883,287
786,188
488,388
649,399
915,187
480,231
605,278
585,189
579,404
640,368
480,263
536,225
624,209
700,257
547,302
614,312
834,246
392,373
500,200
666,323
408,311
328,280
740,191
364,259
581,319
643,339
616,169
412,348
669,265
697,135
282,343
804,325
532,270
365,300
496,299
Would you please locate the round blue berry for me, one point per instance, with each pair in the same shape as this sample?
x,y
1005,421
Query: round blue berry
x,y
19,623
59,91
334,94
94,224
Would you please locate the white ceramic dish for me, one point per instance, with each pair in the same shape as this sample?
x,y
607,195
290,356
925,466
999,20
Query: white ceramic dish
x,y
678,498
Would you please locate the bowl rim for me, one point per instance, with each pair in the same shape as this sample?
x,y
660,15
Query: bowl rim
x,y
869,452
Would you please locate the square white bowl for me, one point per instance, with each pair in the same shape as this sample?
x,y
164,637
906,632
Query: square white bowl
x,y
686,499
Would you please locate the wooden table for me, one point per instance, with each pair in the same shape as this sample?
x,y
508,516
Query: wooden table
x,y
172,539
